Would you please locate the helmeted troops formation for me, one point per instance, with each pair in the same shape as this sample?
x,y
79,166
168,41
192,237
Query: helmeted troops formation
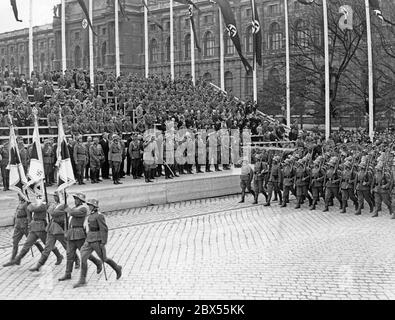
x,y
343,175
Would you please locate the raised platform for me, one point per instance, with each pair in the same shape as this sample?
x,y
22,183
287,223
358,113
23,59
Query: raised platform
x,y
137,193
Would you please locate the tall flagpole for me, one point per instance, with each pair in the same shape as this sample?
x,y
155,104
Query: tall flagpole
x,y
254,79
287,67
91,65
117,54
171,40
327,75
63,31
222,50
192,49
370,70
31,61
146,43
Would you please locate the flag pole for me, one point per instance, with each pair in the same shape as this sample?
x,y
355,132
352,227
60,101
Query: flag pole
x,y
192,48
327,75
171,41
222,50
146,43
91,62
31,61
254,75
63,31
370,70
117,54
287,67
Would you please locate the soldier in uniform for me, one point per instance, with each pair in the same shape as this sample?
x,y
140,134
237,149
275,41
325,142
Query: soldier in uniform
x,y
150,157
260,169
115,155
96,156
364,181
55,231
24,154
382,186
4,159
52,122
332,183
317,179
80,158
301,183
347,186
246,176
76,235
48,159
96,240
20,228
287,175
36,217
87,166
135,156
127,125
273,183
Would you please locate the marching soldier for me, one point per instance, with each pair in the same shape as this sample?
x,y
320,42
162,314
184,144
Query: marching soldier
x,y
260,169
76,235
301,183
364,181
288,174
80,158
246,176
274,180
317,179
36,217
96,240
55,231
347,186
332,183
20,228
382,186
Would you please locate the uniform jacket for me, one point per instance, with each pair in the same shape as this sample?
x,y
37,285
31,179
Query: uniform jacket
x,y
115,152
98,230
246,173
77,219
288,173
80,153
36,216
364,180
134,150
21,215
48,154
382,182
58,215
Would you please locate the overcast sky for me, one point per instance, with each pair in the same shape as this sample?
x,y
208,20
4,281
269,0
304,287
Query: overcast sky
x,y
42,14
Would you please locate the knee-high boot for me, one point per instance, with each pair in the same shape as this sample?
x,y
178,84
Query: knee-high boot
x,y
299,199
314,204
116,268
59,257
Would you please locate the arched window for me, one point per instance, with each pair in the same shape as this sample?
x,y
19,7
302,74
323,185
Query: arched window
x,y
187,46
207,77
229,47
77,57
22,64
248,85
103,53
301,34
12,62
228,81
274,75
153,51
249,40
168,49
275,37
317,36
208,44
42,62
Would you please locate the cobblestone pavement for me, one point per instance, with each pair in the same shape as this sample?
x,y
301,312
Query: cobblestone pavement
x,y
219,249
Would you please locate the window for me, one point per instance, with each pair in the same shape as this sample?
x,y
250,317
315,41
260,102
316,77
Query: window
x,y
12,62
167,24
301,34
168,49
42,62
21,48
275,37
274,9
229,47
228,81
42,45
207,77
152,27
317,35
187,46
186,22
248,13
12,49
154,51
103,31
22,64
208,19
249,40
52,43
103,53
208,44
77,57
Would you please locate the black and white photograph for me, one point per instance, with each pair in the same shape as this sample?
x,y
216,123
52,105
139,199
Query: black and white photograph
x,y
214,152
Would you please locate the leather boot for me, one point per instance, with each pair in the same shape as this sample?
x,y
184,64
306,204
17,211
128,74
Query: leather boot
x,y
326,207
242,200
117,268
267,204
66,277
59,257
375,214
80,283
284,204
358,211
255,199
312,207
36,268
77,263
343,207
298,204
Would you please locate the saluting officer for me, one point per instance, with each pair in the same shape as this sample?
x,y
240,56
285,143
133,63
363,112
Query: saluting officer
x,y
96,240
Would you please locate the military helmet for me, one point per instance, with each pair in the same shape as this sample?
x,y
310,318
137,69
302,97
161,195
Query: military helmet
x,y
80,196
93,202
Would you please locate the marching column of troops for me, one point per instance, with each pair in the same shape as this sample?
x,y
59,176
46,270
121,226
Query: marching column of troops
x,y
80,228
358,176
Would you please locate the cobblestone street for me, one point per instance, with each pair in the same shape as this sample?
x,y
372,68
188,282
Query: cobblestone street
x,y
219,249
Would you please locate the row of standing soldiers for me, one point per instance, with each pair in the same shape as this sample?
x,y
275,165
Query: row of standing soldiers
x,y
357,178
